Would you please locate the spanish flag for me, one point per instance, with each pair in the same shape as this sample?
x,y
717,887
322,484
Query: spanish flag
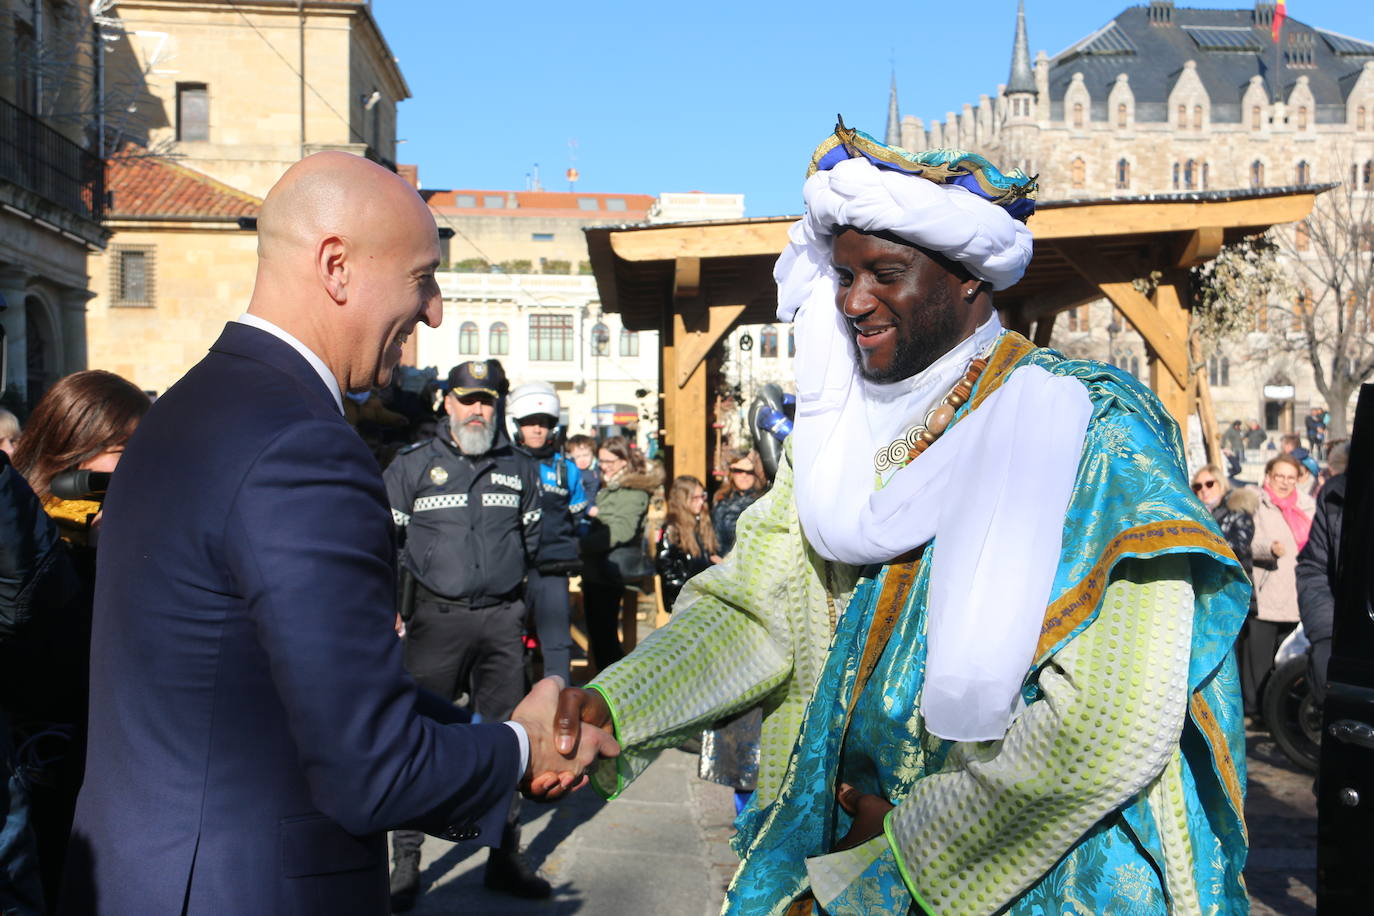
x,y
1280,14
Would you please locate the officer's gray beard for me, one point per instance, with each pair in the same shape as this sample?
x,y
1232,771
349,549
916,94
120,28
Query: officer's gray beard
x,y
475,435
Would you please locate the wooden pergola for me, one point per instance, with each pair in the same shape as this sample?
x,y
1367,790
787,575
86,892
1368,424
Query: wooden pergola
x,y
694,282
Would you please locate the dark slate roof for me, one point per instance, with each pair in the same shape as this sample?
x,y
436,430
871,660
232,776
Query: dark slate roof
x,y
1227,45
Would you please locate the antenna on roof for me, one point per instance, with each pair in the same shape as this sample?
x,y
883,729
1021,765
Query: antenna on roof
x,y
533,180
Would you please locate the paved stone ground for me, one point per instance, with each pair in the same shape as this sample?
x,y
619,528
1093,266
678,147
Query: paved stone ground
x,y
1281,812
660,849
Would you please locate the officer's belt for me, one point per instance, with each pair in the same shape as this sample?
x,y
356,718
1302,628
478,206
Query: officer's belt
x,y
472,604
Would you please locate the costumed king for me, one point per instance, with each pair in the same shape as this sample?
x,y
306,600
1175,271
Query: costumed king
x,y
990,628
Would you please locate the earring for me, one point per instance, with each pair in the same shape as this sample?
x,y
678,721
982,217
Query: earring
x,y
970,292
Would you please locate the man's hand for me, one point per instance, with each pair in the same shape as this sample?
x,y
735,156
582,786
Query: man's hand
x,y
551,774
1277,548
868,811
576,706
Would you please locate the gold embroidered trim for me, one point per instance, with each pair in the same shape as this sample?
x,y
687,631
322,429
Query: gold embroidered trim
x,y
1076,604
901,578
1010,350
1221,754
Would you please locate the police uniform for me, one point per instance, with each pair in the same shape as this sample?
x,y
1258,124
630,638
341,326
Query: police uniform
x,y
470,529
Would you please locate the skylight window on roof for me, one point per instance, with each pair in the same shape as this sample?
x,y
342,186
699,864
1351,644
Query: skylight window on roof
x,y
1346,46
465,200
586,203
615,203
494,201
1225,38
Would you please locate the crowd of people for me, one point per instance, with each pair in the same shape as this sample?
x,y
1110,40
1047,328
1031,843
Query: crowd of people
x,y
1269,526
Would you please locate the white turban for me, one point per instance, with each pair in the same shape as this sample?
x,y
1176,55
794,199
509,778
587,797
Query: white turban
x,y
994,488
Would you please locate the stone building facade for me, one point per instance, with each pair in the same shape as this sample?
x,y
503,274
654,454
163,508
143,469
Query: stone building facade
x,y
218,100
517,286
52,194
1168,100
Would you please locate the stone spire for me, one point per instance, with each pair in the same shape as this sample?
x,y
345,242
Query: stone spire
x,y
1022,79
894,118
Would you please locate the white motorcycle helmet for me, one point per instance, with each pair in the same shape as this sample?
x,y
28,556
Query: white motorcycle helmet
x,y
533,399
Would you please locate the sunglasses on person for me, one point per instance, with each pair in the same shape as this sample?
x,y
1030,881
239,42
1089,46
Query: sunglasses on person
x,y
1201,485
749,471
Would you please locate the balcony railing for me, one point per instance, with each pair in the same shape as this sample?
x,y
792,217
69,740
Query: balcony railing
x,y
41,160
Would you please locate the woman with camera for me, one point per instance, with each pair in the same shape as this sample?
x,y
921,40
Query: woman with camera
x,y
82,423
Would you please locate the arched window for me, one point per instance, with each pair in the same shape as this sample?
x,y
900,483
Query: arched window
x,y
1204,176
1123,174
1077,114
1256,117
629,342
1257,174
1303,173
498,339
1182,117
768,342
1219,370
1134,367
1302,117
1301,239
1176,167
791,342
1079,173
1121,114
1197,117
1368,173
1189,175
469,340
601,340
1359,118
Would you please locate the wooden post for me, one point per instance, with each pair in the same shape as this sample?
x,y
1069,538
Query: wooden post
x,y
1171,390
1206,414
691,411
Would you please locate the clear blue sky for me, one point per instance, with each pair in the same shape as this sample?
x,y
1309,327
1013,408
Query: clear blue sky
x,y
727,97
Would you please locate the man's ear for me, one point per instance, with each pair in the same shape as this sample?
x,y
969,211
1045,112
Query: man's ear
x,y
333,267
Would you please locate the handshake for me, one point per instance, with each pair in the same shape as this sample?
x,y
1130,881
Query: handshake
x,y
568,729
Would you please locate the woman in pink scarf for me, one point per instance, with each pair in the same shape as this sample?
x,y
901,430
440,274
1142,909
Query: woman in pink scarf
x,y
1282,522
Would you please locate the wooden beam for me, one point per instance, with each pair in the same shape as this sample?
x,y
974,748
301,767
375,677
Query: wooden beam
x,y
725,240
1165,338
1200,246
1044,329
1169,386
693,346
687,278
687,412
1117,218
1206,413
1149,217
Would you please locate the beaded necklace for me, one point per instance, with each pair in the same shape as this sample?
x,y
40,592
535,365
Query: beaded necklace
x,y
902,451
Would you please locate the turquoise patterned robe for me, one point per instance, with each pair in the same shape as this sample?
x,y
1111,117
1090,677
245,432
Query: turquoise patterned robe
x,y
1119,787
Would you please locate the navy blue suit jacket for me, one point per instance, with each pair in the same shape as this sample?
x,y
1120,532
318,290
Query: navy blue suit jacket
x,y
252,731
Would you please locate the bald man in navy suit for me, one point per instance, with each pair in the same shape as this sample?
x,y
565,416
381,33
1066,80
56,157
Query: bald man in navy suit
x,y
252,731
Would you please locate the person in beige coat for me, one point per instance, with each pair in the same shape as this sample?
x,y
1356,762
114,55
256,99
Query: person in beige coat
x,y
1282,522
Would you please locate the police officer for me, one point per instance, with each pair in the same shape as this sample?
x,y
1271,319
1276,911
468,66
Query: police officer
x,y
468,509
534,409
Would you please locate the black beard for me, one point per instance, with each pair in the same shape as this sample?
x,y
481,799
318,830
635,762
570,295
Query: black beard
x,y
918,348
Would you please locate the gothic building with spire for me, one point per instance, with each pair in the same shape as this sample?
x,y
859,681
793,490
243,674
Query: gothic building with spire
x,y
1167,100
